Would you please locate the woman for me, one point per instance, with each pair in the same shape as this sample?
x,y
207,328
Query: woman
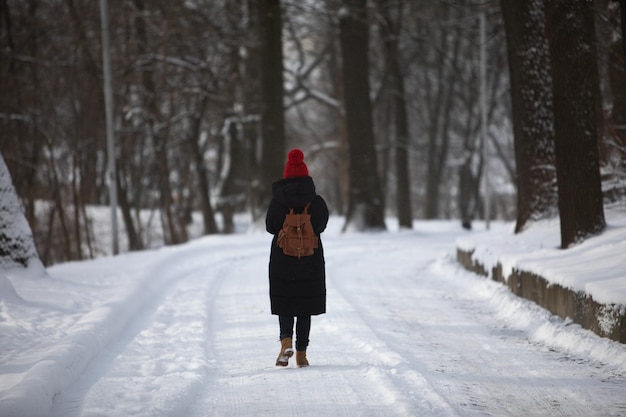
x,y
297,284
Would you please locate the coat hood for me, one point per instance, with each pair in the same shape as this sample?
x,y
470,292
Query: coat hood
x,y
294,192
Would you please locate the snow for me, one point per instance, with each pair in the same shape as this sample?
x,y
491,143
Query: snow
x,y
16,243
186,330
596,266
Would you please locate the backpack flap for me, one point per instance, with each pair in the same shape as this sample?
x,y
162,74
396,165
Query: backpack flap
x,y
297,237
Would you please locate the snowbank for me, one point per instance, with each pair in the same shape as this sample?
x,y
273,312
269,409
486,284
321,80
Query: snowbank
x,y
586,283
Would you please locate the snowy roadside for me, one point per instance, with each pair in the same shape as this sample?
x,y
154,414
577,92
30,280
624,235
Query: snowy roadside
x,y
595,269
54,323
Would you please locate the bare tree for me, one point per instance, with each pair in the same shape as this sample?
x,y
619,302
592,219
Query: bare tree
x,y
272,88
441,111
314,95
610,30
390,28
365,205
570,28
157,127
196,154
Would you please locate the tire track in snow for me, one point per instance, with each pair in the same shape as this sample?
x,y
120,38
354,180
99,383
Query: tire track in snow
x,y
452,357
402,389
499,369
155,345
353,372
244,345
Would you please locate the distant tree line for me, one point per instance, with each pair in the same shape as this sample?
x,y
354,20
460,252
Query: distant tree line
x,y
382,95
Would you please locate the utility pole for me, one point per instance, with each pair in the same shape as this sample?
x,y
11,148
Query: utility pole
x,y
108,103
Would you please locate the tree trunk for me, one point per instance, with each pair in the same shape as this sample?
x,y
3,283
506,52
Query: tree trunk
x,y
391,34
531,99
250,93
613,151
208,216
570,29
134,239
232,176
622,8
273,153
365,205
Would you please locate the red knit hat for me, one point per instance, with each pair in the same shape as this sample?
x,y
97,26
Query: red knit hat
x,y
295,166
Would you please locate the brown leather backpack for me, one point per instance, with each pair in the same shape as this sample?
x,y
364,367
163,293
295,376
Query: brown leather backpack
x,y
297,237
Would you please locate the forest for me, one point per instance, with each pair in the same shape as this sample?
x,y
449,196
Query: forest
x,y
411,109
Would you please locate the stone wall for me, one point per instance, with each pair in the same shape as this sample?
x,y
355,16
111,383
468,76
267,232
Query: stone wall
x,y
605,320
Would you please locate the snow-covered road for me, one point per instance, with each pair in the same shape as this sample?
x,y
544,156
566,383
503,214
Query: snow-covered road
x,y
407,333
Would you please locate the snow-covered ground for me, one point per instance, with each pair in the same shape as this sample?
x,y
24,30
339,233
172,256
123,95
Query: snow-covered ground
x,y
186,331
596,267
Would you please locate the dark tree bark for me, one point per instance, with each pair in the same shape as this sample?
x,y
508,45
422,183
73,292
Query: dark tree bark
x,y
208,216
613,149
273,154
249,71
622,8
468,185
570,29
230,192
391,34
531,99
366,204
134,239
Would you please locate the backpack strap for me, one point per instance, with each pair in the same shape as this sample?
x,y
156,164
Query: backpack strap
x,y
305,211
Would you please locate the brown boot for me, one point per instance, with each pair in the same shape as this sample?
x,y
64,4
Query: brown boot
x,y
301,360
286,352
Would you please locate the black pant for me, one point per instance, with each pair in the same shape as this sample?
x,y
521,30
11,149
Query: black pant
x,y
303,328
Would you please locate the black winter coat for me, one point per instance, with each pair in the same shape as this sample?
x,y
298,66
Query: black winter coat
x,y
297,285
